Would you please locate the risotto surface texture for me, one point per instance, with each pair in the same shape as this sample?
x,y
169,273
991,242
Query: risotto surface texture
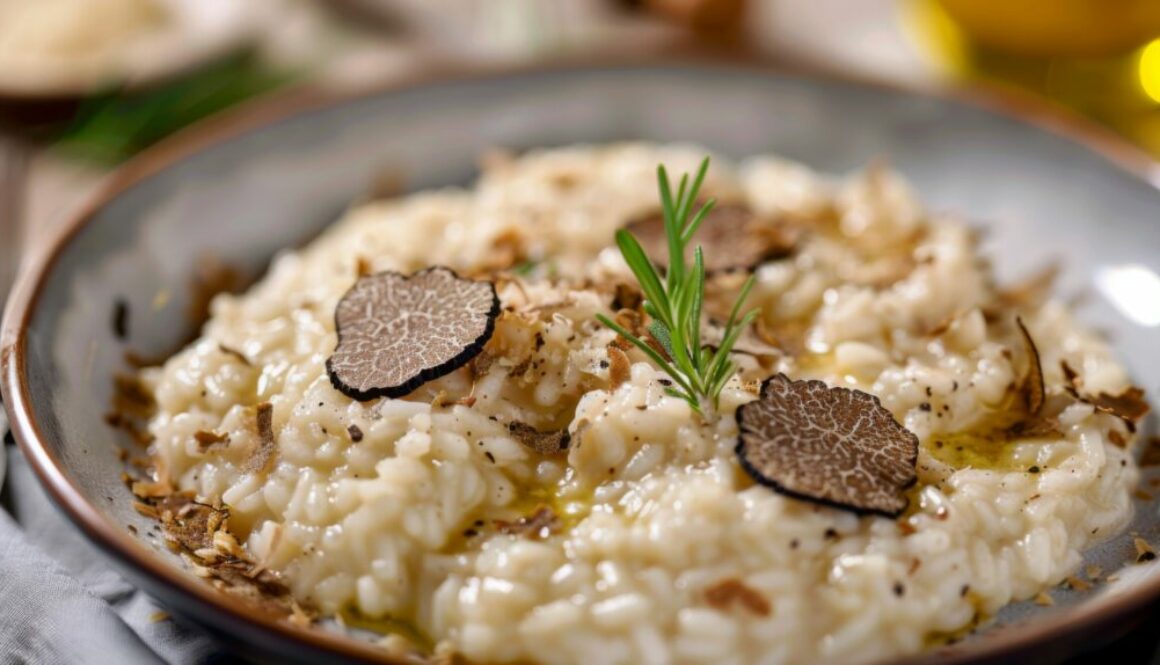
x,y
644,541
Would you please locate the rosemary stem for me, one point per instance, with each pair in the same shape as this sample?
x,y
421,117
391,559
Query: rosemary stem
x,y
675,302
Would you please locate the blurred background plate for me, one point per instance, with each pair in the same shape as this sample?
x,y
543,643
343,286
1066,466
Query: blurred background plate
x,y
51,49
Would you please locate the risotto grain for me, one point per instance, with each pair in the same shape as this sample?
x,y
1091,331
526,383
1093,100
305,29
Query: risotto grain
x,y
660,549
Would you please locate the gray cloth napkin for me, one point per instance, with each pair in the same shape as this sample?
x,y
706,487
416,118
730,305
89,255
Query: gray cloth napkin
x,y
60,602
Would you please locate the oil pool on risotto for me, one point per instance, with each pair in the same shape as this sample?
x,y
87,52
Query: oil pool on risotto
x,y
758,416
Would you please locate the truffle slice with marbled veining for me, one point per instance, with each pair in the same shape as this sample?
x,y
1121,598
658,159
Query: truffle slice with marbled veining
x,y
397,332
732,236
834,446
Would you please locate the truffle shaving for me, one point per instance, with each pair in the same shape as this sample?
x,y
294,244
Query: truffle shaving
x,y
834,446
190,524
397,332
200,532
729,592
133,405
627,297
1129,405
1034,392
620,367
1031,291
733,238
544,443
237,355
1035,428
356,433
537,526
1074,382
263,455
207,439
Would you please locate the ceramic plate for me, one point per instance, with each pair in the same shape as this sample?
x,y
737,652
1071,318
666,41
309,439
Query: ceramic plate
x,y
247,186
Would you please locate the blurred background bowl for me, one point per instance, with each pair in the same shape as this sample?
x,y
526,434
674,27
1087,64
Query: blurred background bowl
x,y
61,49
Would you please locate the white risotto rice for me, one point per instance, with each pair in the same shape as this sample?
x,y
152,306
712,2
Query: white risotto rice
x,y
881,296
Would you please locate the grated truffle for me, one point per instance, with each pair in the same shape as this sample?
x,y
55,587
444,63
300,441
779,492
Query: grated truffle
x,y
620,369
545,443
732,591
356,434
206,439
1129,405
538,526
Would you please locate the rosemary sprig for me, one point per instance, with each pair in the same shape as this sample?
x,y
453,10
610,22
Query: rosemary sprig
x,y
674,302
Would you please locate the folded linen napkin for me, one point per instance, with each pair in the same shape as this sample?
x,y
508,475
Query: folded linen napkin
x,y
60,602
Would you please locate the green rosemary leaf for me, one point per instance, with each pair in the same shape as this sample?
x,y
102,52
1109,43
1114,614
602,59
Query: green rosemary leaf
x,y
673,392
741,297
726,373
681,306
677,351
697,181
664,188
643,269
681,195
676,251
679,354
706,356
648,350
661,334
695,224
697,301
675,303
726,346
651,310
525,268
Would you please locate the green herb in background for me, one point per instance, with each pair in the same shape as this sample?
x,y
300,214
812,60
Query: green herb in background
x,y
525,268
675,302
113,126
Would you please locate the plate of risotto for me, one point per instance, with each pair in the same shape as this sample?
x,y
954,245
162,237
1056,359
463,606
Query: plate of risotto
x,y
664,363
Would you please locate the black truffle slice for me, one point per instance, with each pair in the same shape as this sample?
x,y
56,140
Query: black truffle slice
x,y
395,332
833,446
731,236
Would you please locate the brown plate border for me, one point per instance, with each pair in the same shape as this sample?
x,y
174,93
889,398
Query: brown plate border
x,y
1030,641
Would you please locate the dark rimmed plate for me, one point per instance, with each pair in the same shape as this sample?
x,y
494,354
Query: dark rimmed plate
x,y
245,186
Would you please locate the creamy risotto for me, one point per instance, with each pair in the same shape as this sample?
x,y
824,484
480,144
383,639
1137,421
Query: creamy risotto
x,y
644,540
